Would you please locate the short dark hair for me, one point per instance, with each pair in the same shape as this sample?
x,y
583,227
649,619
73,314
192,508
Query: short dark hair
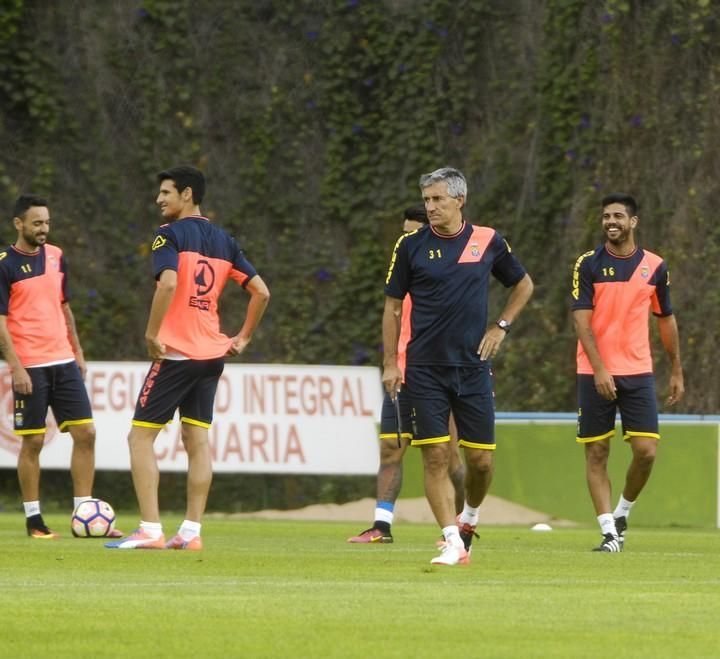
x,y
621,198
185,176
26,201
416,214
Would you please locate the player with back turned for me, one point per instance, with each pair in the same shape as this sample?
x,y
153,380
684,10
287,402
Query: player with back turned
x,y
193,260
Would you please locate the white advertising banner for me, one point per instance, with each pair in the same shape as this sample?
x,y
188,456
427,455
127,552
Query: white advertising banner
x,y
269,418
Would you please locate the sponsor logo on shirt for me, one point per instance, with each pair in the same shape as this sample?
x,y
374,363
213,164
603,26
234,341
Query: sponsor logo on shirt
x,y
201,303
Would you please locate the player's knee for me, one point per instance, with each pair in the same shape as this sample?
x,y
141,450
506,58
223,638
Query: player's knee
x,y
479,460
435,458
31,444
84,436
391,455
645,455
596,454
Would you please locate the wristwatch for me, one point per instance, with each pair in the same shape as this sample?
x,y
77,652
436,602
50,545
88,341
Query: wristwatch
x,y
503,325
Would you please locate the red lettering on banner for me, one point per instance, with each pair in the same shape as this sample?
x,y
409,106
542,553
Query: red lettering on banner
x,y
274,380
363,410
257,434
309,401
325,386
261,443
117,393
97,390
347,398
307,395
233,444
223,397
255,393
290,394
293,446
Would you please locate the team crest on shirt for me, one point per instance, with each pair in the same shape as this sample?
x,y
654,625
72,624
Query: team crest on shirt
x,y
644,272
474,250
159,242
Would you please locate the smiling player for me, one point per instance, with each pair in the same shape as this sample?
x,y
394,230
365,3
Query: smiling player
x,y
614,289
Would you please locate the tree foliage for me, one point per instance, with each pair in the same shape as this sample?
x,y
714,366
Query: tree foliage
x,y
313,121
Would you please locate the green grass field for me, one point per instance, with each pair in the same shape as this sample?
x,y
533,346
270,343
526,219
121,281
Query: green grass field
x,y
297,589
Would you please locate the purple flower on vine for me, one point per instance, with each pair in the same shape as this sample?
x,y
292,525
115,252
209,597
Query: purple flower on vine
x,y
597,185
312,35
353,3
570,154
584,121
369,82
402,68
357,129
607,18
675,39
456,129
311,104
360,355
636,121
323,275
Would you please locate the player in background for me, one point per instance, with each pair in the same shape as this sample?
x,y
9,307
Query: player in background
x,y
390,472
446,271
614,289
43,352
192,261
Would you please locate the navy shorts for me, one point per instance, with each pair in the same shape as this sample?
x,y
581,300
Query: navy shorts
x,y
388,418
635,400
187,384
466,390
60,388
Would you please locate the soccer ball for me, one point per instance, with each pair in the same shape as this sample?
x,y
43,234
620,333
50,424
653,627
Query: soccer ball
x,y
93,518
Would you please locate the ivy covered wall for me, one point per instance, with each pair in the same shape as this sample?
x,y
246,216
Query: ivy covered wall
x,y
313,121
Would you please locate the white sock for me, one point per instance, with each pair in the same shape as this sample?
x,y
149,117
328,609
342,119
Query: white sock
x,y
31,508
607,523
469,515
188,530
384,515
153,529
452,536
623,508
78,500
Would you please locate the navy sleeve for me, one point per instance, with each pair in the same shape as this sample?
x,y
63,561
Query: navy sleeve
x,y
5,284
661,303
241,265
506,268
66,294
164,251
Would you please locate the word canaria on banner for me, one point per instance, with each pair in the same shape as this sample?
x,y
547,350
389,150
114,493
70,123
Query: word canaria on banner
x,y
255,443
